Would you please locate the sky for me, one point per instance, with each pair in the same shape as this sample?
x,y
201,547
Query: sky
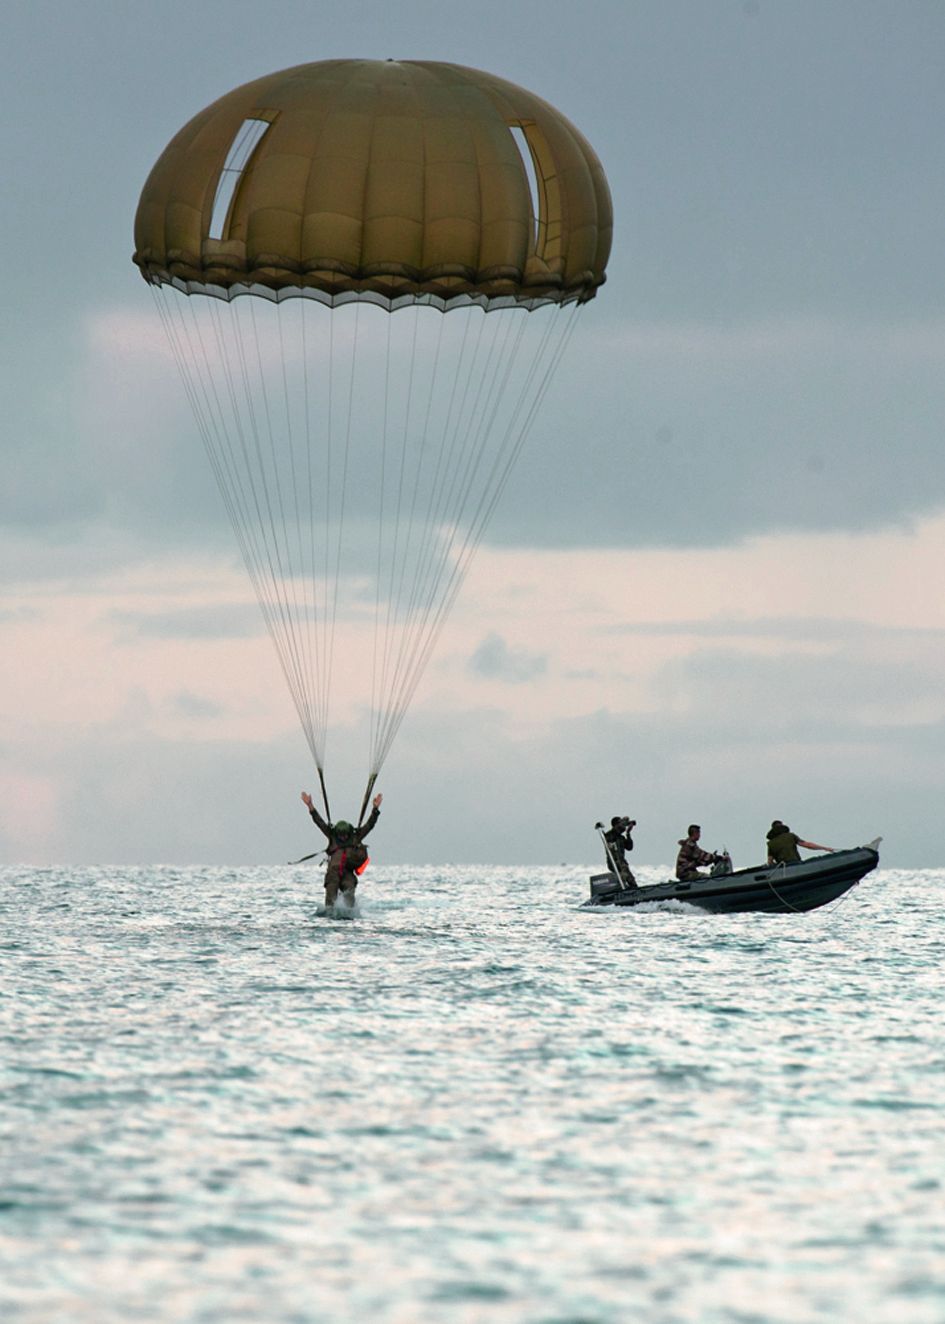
x,y
712,591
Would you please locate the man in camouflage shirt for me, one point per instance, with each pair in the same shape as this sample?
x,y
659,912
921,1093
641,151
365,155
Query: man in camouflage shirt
x,y
691,856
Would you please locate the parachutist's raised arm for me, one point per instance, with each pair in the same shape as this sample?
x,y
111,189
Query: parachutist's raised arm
x,y
316,816
372,817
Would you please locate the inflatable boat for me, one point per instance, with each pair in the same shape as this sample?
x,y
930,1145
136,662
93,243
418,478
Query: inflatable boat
x,y
774,889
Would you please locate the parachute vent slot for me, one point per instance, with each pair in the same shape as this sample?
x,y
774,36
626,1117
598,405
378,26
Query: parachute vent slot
x,y
250,135
531,174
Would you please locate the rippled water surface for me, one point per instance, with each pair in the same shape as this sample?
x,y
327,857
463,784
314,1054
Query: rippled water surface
x,y
474,1102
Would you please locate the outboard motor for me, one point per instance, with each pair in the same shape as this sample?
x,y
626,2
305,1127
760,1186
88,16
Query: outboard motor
x,y
721,867
604,885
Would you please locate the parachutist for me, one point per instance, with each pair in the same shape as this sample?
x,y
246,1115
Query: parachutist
x,y
347,857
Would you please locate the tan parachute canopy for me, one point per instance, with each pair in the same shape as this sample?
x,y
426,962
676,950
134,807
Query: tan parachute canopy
x,y
397,182
359,455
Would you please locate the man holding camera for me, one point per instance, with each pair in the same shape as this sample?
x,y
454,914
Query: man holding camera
x,y
619,841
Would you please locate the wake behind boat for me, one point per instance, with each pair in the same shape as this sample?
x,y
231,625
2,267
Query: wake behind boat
x,y
773,889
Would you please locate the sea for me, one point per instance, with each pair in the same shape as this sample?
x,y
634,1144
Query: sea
x,y
472,1101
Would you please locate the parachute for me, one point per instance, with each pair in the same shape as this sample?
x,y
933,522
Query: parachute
x,y
303,237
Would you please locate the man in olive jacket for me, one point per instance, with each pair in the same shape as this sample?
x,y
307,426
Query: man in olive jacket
x,y
346,854
783,843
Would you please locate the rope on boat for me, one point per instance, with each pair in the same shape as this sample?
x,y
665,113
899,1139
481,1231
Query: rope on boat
x,y
784,901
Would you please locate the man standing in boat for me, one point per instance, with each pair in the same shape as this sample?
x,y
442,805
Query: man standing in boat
x,y
691,856
783,844
618,841
346,853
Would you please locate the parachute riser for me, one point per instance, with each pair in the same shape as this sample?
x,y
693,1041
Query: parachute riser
x,y
367,795
321,782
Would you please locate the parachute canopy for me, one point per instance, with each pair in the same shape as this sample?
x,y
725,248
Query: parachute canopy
x,y
393,181
361,455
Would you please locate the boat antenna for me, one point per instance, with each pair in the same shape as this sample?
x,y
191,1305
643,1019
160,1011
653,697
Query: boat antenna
x,y
610,855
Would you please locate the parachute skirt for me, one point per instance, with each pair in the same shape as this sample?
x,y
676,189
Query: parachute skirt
x,y
372,293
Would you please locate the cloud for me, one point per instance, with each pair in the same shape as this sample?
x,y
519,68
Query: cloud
x,y
475,785
19,614
211,620
787,338
28,805
850,691
787,629
732,481
653,434
196,705
702,434
541,786
496,661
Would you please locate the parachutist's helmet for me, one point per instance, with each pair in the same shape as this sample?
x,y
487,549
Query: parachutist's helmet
x,y
343,829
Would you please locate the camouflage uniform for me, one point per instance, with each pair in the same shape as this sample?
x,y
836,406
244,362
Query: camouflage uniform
x,y
620,841
690,857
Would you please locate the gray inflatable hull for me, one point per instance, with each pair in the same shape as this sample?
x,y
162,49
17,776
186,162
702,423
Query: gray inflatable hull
x,y
779,890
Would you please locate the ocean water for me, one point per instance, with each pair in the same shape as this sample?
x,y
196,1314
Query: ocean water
x,y
474,1102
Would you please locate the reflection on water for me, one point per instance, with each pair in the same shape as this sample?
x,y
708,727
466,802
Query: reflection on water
x,y
474,1102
